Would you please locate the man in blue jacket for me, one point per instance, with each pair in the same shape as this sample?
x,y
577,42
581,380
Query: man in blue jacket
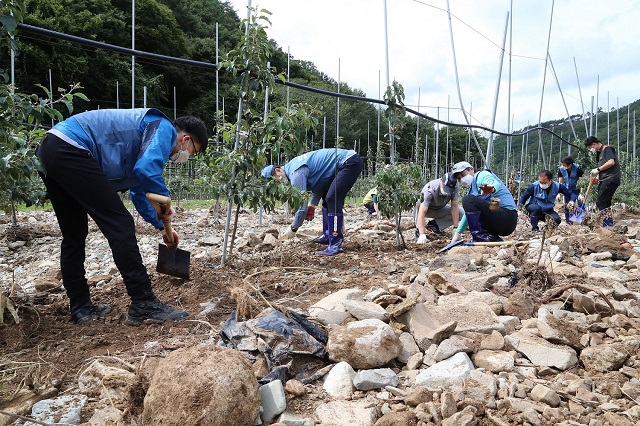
x,y
568,174
329,174
542,198
88,158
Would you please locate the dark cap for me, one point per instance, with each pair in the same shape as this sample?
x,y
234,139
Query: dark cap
x,y
449,183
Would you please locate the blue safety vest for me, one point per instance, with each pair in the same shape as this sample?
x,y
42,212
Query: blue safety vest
x,y
323,165
545,198
570,179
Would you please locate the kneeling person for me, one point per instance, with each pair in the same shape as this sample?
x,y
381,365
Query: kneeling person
x,y
542,195
440,204
489,208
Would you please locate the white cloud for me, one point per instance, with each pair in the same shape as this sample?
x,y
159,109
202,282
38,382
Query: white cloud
x,y
601,37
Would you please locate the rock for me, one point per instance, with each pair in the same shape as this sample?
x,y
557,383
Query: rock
x,y
375,379
397,419
62,409
603,357
363,344
273,400
346,413
494,361
333,302
541,352
417,395
519,305
361,310
448,372
545,395
295,387
409,347
339,382
22,402
108,383
217,380
494,341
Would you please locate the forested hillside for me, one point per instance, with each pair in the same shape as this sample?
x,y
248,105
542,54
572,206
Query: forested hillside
x,y
187,29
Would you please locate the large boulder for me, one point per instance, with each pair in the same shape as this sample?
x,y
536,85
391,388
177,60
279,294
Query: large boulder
x,y
365,344
202,385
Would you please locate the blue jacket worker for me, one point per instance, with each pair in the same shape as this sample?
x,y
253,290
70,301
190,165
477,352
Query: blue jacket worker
x,y
608,173
568,174
88,158
489,208
329,174
542,198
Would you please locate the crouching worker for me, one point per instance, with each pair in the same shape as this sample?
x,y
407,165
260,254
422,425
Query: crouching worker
x,y
88,158
440,205
568,174
370,202
489,208
542,197
329,174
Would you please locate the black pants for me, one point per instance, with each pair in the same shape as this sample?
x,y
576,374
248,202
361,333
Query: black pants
x,y
606,189
536,211
347,175
78,187
501,222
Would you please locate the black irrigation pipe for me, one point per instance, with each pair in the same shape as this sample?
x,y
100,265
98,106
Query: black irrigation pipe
x,y
100,45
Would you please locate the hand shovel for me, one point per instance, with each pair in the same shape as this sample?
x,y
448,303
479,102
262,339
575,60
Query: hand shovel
x,y
174,262
487,243
580,212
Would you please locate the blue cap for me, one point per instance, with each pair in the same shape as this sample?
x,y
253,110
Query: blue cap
x,y
266,172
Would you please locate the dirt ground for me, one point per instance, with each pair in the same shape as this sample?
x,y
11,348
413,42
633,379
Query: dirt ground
x,y
45,347
52,349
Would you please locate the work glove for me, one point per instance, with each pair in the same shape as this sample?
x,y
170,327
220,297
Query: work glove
x,y
456,237
571,205
422,239
288,234
172,245
487,189
166,213
594,180
311,211
595,172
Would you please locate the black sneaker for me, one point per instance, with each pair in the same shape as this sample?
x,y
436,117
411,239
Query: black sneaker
x,y
89,312
152,311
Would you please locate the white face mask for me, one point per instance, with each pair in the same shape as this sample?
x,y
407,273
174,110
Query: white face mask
x,y
592,150
466,181
565,167
180,157
545,185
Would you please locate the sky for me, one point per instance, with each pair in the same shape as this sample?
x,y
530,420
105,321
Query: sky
x,y
593,50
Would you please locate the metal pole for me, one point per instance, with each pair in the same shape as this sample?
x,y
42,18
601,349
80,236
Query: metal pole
x,y
289,74
497,93
437,143
509,117
597,104
555,76
133,58
338,109
217,78
175,103
117,95
455,67
580,92
543,84
591,119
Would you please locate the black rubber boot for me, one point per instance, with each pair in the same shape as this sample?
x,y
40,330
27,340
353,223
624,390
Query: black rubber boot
x,y
324,238
534,223
335,237
478,233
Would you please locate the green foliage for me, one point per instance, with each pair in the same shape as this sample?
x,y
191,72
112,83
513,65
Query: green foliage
x,y
394,99
21,118
398,189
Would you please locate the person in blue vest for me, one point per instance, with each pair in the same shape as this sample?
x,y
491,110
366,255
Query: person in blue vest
x,y
568,174
329,174
608,174
542,198
489,209
87,159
